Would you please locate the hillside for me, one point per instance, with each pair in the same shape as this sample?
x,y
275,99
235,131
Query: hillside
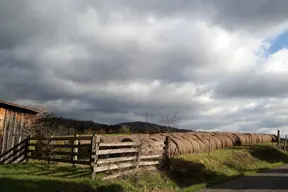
x,y
65,126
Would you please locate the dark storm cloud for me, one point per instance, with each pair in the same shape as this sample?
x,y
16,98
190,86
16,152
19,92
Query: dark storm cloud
x,y
98,60
243,14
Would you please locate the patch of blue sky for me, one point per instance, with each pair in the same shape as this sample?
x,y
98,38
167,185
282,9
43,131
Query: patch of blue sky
x,y
278,43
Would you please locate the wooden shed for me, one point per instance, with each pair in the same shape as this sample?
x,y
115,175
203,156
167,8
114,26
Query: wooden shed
x,y
13,119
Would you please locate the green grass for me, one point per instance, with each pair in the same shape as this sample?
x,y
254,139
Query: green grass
x,y
188,173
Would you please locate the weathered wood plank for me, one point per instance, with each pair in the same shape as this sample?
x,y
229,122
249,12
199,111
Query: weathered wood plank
x,y
144,163
4,131
114,160
66,138
20,128
92,145
115,151
121,159
111,167
14,131
96,149
151,156
10,127
118,144
52,146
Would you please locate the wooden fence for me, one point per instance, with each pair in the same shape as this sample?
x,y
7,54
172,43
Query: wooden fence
x,y
128,155
66,149
90,150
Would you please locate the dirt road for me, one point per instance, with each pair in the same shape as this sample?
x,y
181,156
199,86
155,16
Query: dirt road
x,y
275,180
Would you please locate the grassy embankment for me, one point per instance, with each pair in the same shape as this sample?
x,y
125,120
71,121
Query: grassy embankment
x,y
188,173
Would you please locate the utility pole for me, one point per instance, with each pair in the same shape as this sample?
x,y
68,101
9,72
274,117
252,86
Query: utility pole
x,y
146,122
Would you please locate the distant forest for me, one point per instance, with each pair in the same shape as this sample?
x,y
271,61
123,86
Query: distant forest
x,y
63,126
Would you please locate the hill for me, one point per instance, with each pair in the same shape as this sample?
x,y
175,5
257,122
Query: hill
x,y
65,126
142,127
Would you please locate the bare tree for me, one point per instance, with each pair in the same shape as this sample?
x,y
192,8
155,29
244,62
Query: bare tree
x,y
40,124
171,117
43,124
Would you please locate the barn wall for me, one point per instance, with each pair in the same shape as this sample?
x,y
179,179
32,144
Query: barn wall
x,y
11,123
2,117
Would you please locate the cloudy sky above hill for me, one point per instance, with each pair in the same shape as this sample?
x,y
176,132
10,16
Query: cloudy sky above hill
x,y
224,62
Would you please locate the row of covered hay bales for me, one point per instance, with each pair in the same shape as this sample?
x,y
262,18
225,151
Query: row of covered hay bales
x,y
192,142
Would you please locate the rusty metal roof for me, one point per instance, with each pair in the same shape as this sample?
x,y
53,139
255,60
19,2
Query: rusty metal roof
x,y
16,106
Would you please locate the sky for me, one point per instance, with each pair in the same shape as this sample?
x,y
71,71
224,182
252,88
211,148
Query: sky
x,y
224,63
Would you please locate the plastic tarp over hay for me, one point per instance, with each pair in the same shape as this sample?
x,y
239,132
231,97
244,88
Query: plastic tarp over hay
x,y
192,142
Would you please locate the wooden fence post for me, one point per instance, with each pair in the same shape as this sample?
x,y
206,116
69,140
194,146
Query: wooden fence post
x,y
167,153
92,149
278,138
27,141
49,150
75,149
209,150
138,153
96,149
285,142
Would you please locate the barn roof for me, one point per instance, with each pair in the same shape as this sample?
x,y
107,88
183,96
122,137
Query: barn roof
x,y
14,106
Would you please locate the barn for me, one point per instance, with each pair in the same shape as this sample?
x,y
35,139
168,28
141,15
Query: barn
x,y
13,120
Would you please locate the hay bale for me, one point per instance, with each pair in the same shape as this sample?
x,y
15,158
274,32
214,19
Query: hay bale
x,y
220,144
204,141
253,138
201,144
242,139
189,148
176,148
217,141
259,138
232,138
196,148
228,140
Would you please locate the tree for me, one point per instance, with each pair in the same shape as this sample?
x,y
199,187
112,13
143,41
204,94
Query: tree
x,y
43,124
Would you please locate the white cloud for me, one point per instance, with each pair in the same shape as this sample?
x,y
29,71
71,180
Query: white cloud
x,y
115,61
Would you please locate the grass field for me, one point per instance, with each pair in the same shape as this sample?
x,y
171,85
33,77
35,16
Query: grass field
x,y
188,173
